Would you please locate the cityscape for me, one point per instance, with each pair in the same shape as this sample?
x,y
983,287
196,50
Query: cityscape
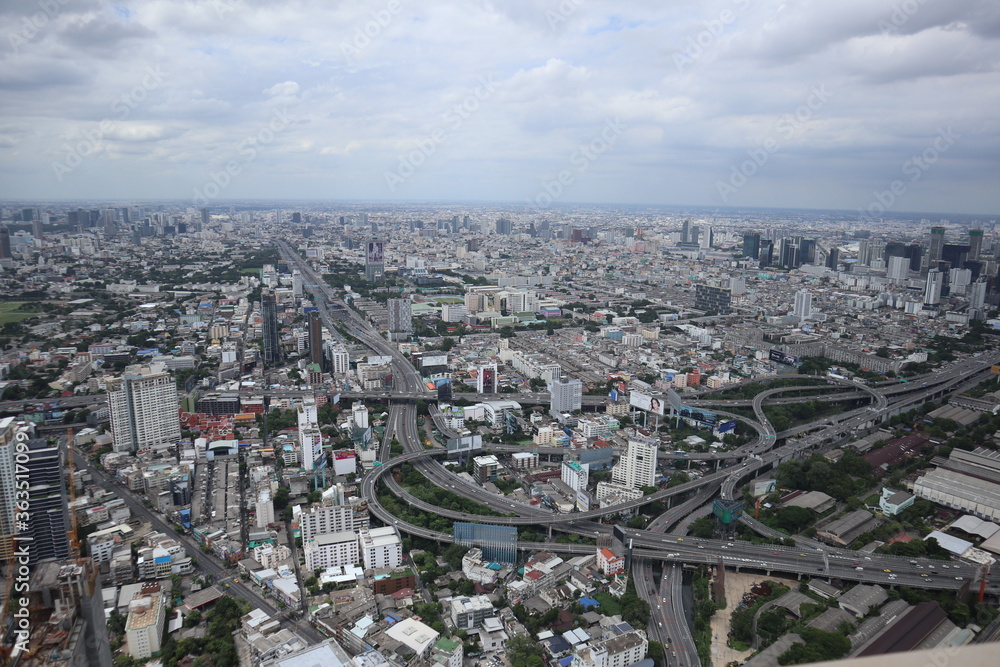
x,y
419,434
533,333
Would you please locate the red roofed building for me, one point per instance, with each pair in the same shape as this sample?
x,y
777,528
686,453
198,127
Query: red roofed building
x,y
609,563
895,452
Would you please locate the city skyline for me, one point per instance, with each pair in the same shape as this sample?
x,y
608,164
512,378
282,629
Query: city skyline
x,y
865,107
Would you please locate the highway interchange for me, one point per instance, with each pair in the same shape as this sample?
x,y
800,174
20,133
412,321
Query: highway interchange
x,y
653,545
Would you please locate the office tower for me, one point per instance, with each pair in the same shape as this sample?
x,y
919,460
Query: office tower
x,y
374,260
36,229
936,244
977,294
566,395
144,411
975,244
269,313
833,258
48,520
959,281
204,218
400,319
444,391
914,253
504,226
686,231
315,338
9,438
807,251
712,299
637,466
296,284
487,380
751,245
803,305
932,290
766,253
865,253
5,243
707,239
899,269
894,249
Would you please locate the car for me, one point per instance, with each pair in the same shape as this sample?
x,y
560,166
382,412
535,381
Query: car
x,y
959,579
680,539
775,554
859,569
700,546
887,570
923,575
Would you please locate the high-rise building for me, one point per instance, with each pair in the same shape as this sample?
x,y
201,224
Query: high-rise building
x,y
833,258
5,252
269,313
64,599
766,253
400,319
504,226
707,238
899,269
340,359
751,245
575,475
915,254
712,299
48,521
932,290
315,338
144,411
566,395
977,294
637,466
9,438
374,260
296,284
803,305
975,244
487,380
310,437
936,245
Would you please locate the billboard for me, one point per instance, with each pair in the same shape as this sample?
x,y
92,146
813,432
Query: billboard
x,y
764,487
727,511
782,357
703,417
646,402
375,255
489,376
614,395
429,360
726,427
345,462
468,443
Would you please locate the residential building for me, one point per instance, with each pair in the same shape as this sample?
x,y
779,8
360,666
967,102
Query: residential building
x,y
575,475
470,612
637,466
381,548
566,394
400,319
269,315
144,411
332,550
325,519
144,626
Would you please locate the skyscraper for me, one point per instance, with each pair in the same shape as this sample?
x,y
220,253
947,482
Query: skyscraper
x,y
310,437
803,305
975,244
751,244
8,486
315,338
144,411
899,269
936,244
49,520
269,313
977,294
5,243
566,395
932,289
504,226
637,466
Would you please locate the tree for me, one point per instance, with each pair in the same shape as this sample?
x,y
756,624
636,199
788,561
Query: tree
x,y
522,651
193,619
281,498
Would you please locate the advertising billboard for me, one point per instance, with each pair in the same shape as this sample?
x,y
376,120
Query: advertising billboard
x,y
726,427
646,402
375,255
727,511
429,360
703,417
489,376
764,487
783,358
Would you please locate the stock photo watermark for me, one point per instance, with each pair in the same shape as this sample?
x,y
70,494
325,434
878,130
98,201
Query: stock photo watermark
x,y
22,555
365,34
913,169
562,12
901,13
697,45
427,146
784,128
121,107
580,160
248,149
32,24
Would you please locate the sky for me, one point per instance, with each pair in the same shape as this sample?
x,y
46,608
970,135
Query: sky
x,y
861,105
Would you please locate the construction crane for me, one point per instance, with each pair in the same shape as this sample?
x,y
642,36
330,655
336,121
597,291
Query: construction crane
x,y
74,539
